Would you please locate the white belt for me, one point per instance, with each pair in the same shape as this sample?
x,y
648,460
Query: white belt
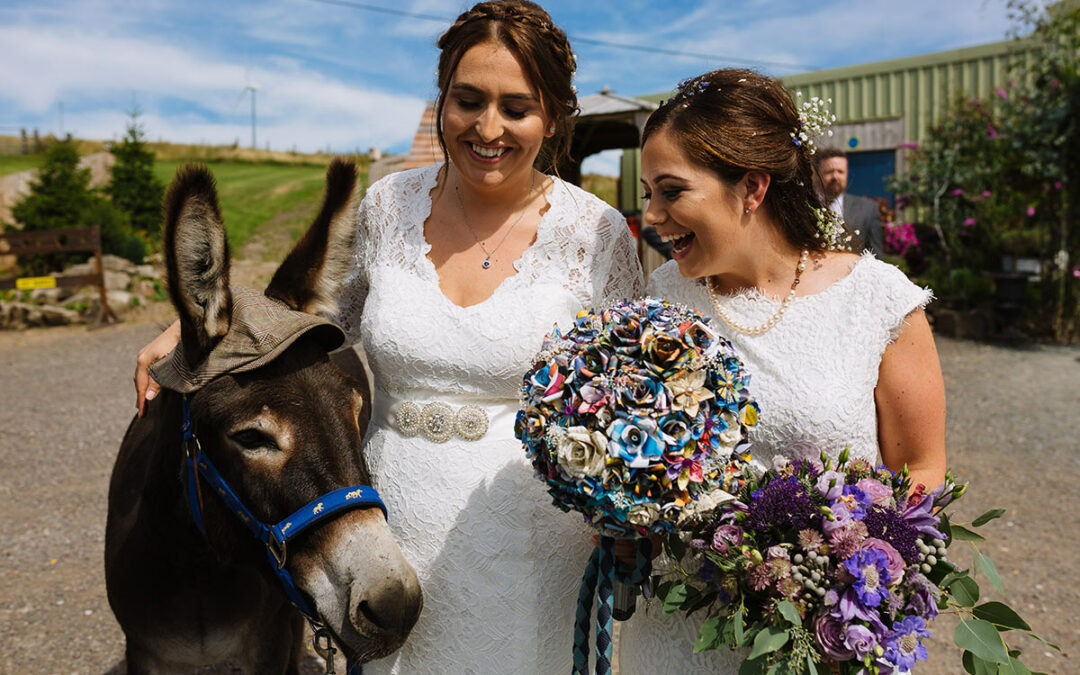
x,y
444,418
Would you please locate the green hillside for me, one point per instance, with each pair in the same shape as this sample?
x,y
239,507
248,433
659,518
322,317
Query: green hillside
x,y
275,199
262,197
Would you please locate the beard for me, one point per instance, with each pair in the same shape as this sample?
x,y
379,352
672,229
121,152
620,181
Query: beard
x,y
832,189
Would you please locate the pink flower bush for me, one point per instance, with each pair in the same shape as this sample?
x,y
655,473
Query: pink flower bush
x,y
899,238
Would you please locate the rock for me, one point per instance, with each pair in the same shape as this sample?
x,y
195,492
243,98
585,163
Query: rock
x,y
80,269
148,272
58,316
47,296
144,288
117,264
120,301
21,315
116,281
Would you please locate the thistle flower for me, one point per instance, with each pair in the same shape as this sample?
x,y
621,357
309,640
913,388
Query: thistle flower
x,y
888,525
781,504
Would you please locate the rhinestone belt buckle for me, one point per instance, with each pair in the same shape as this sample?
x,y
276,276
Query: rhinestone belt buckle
x,y
439,422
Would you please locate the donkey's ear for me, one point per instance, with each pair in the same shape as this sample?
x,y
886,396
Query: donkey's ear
x,y
197,260
309,278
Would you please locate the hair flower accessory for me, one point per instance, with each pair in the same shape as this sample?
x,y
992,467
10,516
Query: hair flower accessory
x,y
814,120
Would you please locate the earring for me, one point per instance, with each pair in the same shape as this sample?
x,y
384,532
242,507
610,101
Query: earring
x,y
746,210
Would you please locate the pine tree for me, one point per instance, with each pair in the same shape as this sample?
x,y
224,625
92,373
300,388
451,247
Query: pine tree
x,y
61,198
133,187
60,194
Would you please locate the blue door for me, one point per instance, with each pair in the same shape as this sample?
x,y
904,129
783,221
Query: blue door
x,y
869,172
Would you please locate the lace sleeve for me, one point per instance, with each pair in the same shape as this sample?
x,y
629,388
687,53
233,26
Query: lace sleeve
x,y
354,289
897,298
617,273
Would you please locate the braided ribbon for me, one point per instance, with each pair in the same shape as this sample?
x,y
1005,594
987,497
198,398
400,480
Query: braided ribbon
x,y
599,582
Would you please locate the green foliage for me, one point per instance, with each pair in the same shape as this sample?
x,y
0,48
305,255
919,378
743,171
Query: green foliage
x,y
133,185
60,198
1001,177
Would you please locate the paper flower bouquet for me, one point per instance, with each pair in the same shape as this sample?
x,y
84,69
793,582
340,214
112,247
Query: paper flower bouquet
x,y
637,417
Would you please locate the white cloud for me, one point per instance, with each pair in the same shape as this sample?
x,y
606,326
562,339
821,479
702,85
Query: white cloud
x,y
296,106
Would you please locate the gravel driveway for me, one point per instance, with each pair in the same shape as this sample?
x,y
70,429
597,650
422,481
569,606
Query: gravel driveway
x,y
66,398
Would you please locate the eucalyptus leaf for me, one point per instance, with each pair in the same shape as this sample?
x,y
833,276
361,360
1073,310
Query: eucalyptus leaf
x,y
987,567
961,533
788,611
753,667
945,525
675,547
987,517
770,639
740,635
674,599
1001,615
709,637
976,666
1013,667
965,591
982,639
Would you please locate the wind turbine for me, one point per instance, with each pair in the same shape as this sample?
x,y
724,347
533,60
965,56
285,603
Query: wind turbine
x,y
249,86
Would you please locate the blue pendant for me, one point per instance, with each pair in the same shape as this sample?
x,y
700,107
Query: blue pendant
x,y
487,264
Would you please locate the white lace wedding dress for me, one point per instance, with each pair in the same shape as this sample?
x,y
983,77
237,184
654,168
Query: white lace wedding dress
x,y
498,564
814,375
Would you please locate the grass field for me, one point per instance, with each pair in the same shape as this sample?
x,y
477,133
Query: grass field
x,y
274,198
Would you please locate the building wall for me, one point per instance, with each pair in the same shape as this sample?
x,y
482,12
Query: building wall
x,y
916,89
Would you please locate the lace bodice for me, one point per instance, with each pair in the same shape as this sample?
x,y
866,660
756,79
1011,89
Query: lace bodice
x,y
498,564
582,256
814,376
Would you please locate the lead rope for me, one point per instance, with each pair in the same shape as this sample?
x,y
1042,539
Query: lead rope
x,y
598,581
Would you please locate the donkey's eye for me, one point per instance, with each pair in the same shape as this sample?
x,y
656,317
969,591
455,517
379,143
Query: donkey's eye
x,y
253,439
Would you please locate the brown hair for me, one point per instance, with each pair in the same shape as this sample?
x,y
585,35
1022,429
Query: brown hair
x,y
540,47
734,121
827,153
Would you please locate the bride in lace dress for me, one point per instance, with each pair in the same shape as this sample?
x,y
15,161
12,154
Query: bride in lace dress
x,y
837,345
461,269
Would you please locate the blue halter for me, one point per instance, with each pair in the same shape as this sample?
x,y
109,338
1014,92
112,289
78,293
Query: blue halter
x,y
276,536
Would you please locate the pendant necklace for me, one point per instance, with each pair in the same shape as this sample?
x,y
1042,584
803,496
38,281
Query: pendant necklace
x,y
487,261
774,319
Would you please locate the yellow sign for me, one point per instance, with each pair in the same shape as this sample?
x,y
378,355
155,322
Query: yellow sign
x,y
30,283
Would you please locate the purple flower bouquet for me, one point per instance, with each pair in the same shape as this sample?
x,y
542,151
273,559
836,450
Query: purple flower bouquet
x,y
820,567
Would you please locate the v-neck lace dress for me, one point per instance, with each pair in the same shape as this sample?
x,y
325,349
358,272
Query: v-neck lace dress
x,y
499,566
814,375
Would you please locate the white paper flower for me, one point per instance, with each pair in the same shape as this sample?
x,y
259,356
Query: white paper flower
x,y
582,452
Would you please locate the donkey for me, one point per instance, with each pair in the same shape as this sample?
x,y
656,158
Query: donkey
x,y
186,580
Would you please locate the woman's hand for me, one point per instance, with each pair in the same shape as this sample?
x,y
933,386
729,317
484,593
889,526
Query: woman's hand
x,y
145,386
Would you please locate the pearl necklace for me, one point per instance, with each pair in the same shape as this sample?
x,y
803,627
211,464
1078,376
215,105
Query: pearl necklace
x,y
487,261
774,319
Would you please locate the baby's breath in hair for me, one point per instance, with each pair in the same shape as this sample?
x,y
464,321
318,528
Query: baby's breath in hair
x,y
814,120
831,229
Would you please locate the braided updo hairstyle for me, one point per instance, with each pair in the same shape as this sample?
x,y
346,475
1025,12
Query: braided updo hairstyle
x,y
541,48
733,121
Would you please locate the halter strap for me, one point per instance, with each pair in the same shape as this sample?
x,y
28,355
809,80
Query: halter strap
x,y
275,536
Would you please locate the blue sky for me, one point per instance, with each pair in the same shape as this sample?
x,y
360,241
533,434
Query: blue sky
x,y
343,78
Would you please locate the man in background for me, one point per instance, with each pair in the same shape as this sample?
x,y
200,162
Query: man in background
x,y
860,214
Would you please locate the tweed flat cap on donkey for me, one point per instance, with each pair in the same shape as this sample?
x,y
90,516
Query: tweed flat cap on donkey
x,y
260,329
